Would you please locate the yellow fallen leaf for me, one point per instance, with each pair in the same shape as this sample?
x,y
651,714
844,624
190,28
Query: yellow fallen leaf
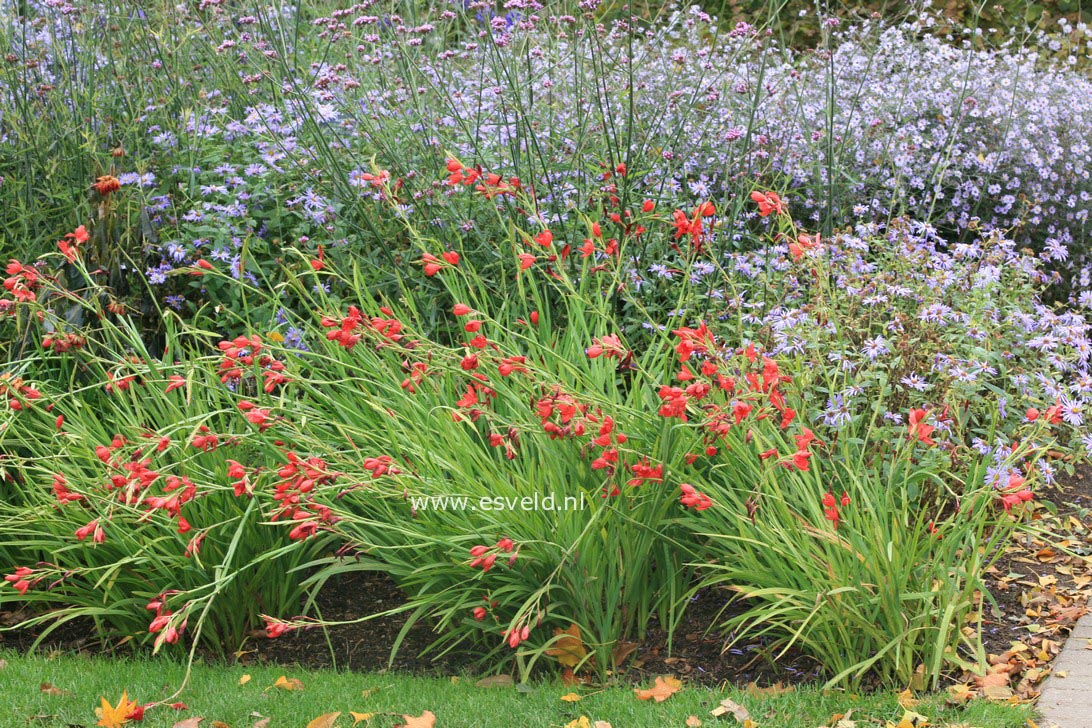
x,y
244,679
661,690
569,648
581,722
1060,673
910,719
288,683
326,720
730,706
571,697
961,693
425,720
113,716
361,717
907,700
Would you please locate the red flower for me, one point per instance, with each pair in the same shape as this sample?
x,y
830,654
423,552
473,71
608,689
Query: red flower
x,y
918,428
830,509
768,203
691,498
803,244
92,529
69,245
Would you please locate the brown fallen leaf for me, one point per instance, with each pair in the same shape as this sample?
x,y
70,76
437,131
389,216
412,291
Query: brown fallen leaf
x,y
425,720
50,689
263,723
959,694
622,651
776,689
693,721
495,681
288,683
730,706
601,724
661,690
326,720
907,700
569,648
219,724
188,723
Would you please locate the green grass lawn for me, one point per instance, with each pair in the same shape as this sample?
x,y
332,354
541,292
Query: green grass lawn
x,y
215,693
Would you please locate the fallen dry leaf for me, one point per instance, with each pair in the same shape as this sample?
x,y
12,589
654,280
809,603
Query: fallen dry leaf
x,y
601,724
776,689
569,648
263,723
219,724
495,681
244,679
50,689
581,722
425,720
190,723
693,721
997,692
842,720
326,720
907,700
288,683
910,719
958,694
361,717
571,697
661,690
113,716
730,706
622,650
3,664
